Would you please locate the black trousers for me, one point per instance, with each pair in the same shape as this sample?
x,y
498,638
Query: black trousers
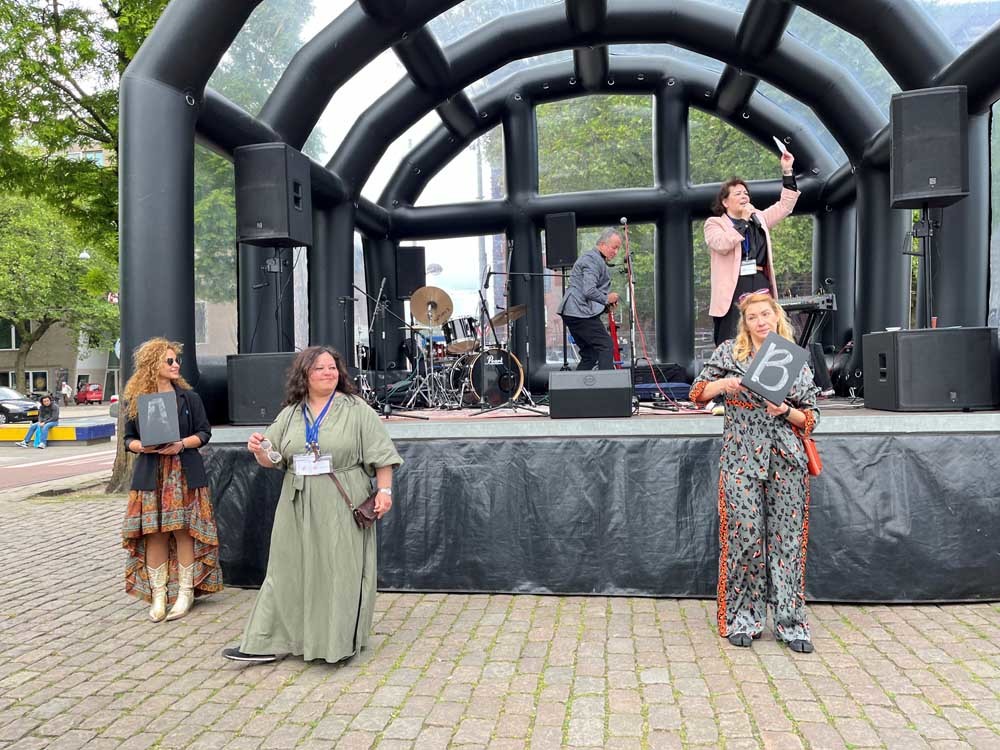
x,y
593,341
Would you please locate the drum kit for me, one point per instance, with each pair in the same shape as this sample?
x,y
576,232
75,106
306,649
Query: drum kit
x,y
461,370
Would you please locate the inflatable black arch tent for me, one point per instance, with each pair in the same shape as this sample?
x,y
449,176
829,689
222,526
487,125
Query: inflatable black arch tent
x,y
165,107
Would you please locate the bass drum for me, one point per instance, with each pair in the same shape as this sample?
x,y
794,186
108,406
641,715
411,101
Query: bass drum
x,y
495,373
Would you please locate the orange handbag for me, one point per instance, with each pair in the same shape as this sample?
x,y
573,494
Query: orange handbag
x,y
813,461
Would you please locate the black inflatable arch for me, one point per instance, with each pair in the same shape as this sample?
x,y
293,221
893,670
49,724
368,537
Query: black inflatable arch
x,y
165,105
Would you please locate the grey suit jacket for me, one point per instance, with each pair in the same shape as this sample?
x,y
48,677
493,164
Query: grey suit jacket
x,y
588,287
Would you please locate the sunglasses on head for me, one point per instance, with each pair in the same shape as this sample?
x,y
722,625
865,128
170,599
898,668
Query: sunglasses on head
x,y
171,360
751,294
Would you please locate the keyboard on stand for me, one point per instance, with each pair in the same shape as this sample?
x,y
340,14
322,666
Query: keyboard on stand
x,y
816,308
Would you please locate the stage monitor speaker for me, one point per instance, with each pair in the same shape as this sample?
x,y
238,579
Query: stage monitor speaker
x,y
944,369
560,240
411,271
929,156
257,386
582,394
273,196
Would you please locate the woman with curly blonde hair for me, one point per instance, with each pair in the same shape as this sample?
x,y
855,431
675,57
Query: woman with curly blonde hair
x,y
169,530
763,486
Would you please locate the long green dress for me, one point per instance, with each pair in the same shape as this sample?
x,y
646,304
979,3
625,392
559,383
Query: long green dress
x,y
318,596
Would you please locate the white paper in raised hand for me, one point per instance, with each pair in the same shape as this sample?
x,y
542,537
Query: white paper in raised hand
x,y
780,144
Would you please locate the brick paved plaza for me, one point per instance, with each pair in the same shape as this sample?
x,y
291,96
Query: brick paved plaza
x,y
83,667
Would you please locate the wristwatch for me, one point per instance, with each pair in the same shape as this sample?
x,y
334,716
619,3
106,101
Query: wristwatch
x,y
385,490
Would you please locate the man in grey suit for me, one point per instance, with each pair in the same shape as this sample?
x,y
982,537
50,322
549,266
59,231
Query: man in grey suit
x,y
587,296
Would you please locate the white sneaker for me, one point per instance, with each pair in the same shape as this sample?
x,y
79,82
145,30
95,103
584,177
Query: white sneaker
x,y
41,446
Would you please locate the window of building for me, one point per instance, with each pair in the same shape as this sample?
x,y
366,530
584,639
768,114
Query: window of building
x,y
200,323
9,340
34,380
97,157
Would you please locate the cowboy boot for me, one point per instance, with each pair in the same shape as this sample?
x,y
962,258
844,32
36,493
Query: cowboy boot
x,y
158,584
185,592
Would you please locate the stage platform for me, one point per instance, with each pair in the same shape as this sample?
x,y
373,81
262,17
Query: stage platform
x,y
906,510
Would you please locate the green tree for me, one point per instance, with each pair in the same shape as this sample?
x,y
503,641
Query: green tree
x,y
59,70
45,283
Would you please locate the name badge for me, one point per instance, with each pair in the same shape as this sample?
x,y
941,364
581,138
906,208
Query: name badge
x,y
748,268
307,465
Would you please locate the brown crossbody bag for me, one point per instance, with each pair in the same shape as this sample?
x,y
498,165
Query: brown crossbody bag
x,y
364,514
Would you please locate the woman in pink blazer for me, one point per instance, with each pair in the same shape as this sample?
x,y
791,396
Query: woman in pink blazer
x,y
739,239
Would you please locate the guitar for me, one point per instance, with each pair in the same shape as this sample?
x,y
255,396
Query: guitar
x,y
616,352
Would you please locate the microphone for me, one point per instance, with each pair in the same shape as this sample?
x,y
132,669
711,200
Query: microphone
x,y
489,272
623,221
755,219
380,290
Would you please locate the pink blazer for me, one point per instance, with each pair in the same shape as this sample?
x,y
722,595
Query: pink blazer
x,y
726,246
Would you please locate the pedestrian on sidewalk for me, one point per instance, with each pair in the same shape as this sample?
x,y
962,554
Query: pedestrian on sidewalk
x,y
48,417
169,529
67,392
318,596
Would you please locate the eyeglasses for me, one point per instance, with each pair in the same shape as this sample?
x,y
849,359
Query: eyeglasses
x,y
171,360
272,455
739,300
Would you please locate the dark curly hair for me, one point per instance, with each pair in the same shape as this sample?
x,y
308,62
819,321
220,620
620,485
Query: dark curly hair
x,y
297,387
717,208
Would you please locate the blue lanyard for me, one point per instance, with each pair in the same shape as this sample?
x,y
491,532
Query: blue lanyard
x,y
312,430
746,239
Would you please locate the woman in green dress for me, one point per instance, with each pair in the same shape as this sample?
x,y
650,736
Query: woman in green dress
x,y
318,595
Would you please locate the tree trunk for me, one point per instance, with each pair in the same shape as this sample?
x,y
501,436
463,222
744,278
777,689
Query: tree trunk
x,y
20,359
121,472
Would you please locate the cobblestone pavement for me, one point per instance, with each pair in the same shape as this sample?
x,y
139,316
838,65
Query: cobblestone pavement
x,y
82,667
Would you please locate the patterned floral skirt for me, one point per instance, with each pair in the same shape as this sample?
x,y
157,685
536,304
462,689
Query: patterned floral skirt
x,y
171,507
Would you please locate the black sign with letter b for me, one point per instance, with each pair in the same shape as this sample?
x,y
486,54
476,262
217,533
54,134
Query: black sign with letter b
x,y
774,368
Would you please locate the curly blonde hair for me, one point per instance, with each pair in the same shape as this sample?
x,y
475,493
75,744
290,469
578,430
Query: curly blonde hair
x,y
743,345
146,360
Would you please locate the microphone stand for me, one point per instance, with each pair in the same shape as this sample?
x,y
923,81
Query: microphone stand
x,y
565,334
381,308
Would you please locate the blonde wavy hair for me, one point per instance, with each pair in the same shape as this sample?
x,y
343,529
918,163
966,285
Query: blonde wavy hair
x,y
146,360
743,345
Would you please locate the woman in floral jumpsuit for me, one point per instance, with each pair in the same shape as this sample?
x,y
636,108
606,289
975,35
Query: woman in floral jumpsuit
x,y
763,486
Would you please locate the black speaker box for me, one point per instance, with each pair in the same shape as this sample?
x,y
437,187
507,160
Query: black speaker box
x,y
929,157
257,386
411,270
273,196
944,369
580,394
560,240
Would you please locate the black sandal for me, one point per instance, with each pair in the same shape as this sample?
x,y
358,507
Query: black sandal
x,y
743,640
801,646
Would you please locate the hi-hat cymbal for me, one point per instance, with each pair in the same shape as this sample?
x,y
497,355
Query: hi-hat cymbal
x,y
510,314
431,305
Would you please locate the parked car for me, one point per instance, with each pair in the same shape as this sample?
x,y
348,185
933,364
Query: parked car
x,y
90,393
113,409
16,407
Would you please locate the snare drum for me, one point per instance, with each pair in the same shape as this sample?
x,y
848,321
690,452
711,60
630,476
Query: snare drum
x,y
460,333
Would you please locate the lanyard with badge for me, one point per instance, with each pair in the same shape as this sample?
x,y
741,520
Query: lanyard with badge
x,y
748,266
311,463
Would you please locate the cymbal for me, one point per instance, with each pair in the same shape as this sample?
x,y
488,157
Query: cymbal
x,y
431,305
510,314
